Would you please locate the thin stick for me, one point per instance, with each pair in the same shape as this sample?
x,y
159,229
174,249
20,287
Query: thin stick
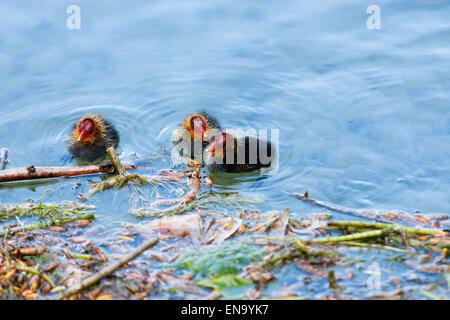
x,y
352,237
31,270
107,271
373,245
377,215
115,160
3,158
33,172
360,224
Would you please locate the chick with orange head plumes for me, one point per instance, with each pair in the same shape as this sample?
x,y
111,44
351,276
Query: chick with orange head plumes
x,y
90,137
195,134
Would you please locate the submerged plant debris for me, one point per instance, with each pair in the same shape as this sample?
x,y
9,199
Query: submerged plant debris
x,y
216,244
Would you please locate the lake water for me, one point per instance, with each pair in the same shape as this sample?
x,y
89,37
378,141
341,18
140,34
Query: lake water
x,y
363,115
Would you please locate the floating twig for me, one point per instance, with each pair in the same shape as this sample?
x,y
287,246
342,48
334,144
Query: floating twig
x,y
105,272
33,172
385,230
34,271
360,224
377,215
115,161
232,200
353,236
27,251
373,245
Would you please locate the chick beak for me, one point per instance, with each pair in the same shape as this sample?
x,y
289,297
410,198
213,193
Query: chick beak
x,y
199,129
82,134
212,147
216,147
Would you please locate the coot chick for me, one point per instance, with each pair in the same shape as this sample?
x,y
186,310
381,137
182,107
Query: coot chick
x,y
90,137
247,154
195,134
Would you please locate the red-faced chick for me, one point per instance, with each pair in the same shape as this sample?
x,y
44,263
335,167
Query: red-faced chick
x,y
90,137
246,154
195,134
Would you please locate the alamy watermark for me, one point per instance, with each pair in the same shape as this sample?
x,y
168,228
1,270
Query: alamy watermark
x,y
374,20
374,280
74,20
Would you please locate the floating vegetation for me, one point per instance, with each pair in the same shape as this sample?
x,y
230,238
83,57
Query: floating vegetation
x,y
220,260
120,181
122,178
49,214
43,210
204,244
205,200
242,264
225,281
377,215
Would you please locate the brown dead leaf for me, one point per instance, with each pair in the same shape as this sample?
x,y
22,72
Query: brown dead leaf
x,y
57,228
189,198
176,225
242,229
229,224
71,204
29,295
50,267
258,275
275,223
222,230
81,223
27,251
46,289
309,268
396,281
394,295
